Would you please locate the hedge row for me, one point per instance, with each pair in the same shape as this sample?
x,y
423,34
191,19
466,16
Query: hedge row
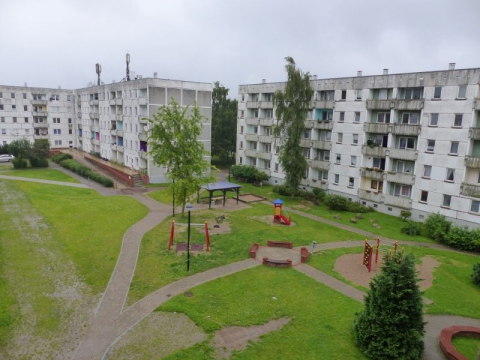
x,y
84,171
59,157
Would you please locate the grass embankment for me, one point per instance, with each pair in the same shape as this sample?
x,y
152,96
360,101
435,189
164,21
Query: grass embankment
x,y
158,267
452,293
44,174
58,248
320,324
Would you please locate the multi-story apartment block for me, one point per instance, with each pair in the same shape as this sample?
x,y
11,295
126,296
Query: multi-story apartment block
x,y
105,119
391,141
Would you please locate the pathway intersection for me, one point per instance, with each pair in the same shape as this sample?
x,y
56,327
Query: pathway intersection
x,y
112,319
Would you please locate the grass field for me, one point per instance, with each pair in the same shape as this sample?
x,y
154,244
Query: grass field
x,y
320,324
158,267
44,174
467,346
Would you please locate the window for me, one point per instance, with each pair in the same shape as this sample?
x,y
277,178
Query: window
x,y
268,114
381,94
355,139
69,98
379,163
328,95
266,164
323,155
437,92
54,97
241,113
462,92
58,142
325,136
25,108
57,131
353,160
27,131
447,199
306,175
357,117
402,190
306,153
70,132
410,118
70,121
404,167
307,133
423,196
433,120
26,120
14,107
344,95
4,131
276,167
336,179
475,206
14,119
351,182
56,120
1,107
458,120
383,117
267,148
254,161
430,145
454,148
359,94
240,158
339,138
406,143
255,129
3,119
338,158
241,129
450,175
376,185
322,175
241,144
415,93
12,95
342,116
427,171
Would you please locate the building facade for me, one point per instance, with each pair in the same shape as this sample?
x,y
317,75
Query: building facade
x,y
107,119
391,141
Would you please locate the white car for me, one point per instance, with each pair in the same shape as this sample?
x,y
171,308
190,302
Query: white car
x,y
6,158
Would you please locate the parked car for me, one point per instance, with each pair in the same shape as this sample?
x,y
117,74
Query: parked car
x,y
6,158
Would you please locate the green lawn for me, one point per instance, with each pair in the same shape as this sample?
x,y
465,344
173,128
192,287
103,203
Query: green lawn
x,y
467,346
158,267
452,293
162,195
44,174
320,324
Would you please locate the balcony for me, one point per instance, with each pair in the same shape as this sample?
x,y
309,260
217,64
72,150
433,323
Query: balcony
x,y
405,129
113,132
370,195
142,136
251,137
470,189
120,148
319,184
79,115
253,104
397,201
306,143
377,128
142,101
266,122
266,104
118,101
474,133
40,125
95,129
380,104
119,117
39,102
113,147
321,145
476,104
473,162
264,155
40,136
143,155
251,153
319,124
376,151
403,154
265,138
95,142
80,138
409,104
402,178
94,116
372,174
251,121
93,102
143,120
40,113
319,164
111,101
79,126
324,104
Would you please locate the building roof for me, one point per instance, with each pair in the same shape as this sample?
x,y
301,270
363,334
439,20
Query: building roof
x,y
221,185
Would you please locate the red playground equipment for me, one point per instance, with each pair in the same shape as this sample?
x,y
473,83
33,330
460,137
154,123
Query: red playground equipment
x,y
172,234
278,215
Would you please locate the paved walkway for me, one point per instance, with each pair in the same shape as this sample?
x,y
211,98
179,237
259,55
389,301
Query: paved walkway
x,y
111,320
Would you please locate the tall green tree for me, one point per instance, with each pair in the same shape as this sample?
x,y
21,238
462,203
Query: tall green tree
x,y
291,107
224,124
20,148
174,144
39,154
391,326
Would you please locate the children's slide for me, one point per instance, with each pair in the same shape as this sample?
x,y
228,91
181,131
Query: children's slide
x,y
285,220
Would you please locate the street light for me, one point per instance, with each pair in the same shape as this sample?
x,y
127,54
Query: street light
x,y
189,208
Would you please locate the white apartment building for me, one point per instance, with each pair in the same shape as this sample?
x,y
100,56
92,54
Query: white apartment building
x,y
105,119
391,141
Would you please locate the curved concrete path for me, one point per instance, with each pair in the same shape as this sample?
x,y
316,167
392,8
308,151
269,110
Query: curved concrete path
x,y
111,320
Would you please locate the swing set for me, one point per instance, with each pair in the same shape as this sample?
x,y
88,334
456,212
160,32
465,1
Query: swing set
x,y
368,252
172,235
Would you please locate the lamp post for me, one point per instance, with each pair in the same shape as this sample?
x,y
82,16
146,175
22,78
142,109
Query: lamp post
x,y
173,199
189,208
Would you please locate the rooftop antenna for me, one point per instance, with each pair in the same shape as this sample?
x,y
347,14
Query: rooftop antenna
x,y
98,70
128,63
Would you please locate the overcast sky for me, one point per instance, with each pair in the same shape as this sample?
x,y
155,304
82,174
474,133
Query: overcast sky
x,y
48,43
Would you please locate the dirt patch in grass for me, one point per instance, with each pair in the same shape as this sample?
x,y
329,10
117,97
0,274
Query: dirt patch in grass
x,y
351,267
232,338
156,336
268,219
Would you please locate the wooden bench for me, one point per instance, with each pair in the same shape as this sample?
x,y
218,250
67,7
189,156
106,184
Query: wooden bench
x,y
304,254
219,219
277,263
449,333
253,250
280,244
